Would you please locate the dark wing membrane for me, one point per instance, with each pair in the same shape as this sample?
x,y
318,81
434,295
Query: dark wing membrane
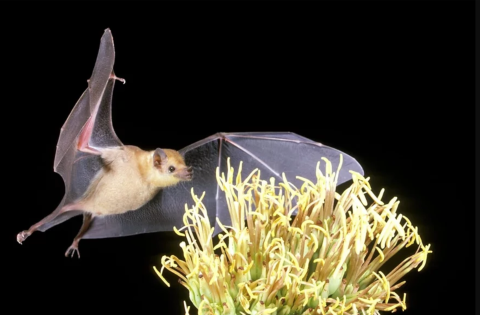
x,y
100,86
95,100
78,168
287,152
272,153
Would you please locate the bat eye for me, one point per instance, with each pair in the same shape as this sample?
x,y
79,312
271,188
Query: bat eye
x,y
171,169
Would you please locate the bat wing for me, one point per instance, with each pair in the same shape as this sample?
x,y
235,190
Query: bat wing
x,y
271,152
89,122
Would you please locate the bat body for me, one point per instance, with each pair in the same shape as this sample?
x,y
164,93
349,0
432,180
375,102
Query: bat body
x,y
128,179
123,190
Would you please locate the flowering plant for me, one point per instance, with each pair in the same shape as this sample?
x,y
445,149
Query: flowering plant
x,y
326,259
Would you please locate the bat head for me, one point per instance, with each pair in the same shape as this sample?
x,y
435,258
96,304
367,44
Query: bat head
x,y
170,167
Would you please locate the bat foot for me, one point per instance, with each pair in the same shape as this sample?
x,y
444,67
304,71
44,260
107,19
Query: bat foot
x,y
72,250
22,236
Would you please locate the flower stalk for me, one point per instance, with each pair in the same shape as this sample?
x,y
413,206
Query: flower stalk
x,y
289,250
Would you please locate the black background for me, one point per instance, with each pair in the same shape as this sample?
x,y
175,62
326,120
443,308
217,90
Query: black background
x,y
389,83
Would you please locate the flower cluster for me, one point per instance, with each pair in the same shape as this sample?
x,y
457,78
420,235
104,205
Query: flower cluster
x,y
289,250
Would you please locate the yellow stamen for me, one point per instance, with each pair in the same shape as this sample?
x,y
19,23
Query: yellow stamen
x,y
320,261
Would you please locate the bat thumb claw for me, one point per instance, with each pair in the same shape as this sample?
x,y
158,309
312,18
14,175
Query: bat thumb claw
x,y
113,76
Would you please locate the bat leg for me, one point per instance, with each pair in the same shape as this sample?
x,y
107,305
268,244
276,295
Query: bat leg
x,y
22,236
87,220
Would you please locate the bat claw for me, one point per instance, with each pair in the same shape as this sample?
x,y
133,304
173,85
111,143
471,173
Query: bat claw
x,y
72,250
22,236
112,76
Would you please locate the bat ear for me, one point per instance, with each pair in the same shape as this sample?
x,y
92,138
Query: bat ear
x,y
159,156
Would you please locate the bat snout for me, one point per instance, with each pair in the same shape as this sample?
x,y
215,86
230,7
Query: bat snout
x,y
187,173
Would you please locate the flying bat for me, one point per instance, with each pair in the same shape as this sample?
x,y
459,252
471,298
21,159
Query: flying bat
x,y
124,190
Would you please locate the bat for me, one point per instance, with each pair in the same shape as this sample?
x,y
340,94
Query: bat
x,y
124,190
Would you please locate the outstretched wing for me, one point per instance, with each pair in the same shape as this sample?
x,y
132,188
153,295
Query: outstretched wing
x,y
271,152
89,122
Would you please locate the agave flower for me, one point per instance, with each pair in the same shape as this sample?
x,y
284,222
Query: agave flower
x,y
322,254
